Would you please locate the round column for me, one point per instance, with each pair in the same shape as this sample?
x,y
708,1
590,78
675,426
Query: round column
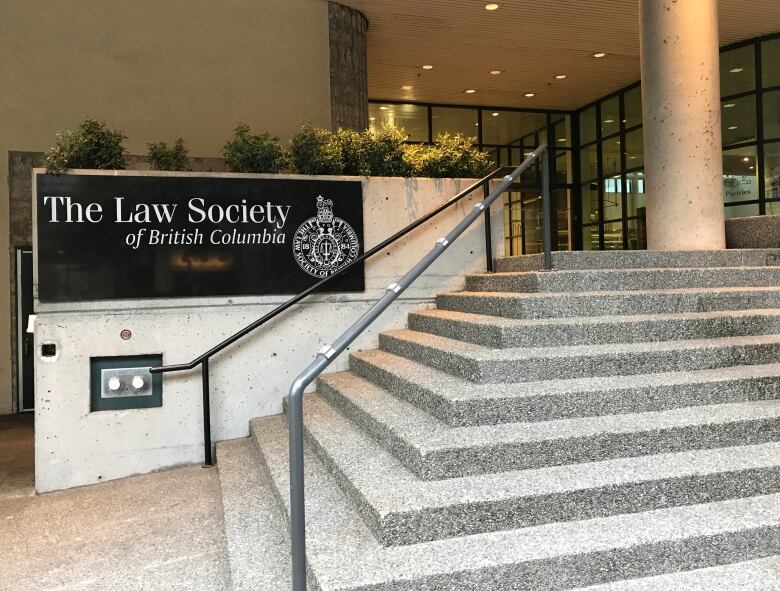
x,y
681,116
348,67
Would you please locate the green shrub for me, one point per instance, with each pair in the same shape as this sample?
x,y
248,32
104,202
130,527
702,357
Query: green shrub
x,y
316,151
253,153
385,153
353,151
91,145
175,157
451,156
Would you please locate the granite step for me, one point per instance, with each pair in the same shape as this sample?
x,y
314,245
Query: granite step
x,y
343,554
624,279
459,402
482,364
402,509
634,259
762,574
498,332
432,449
609,303
258,546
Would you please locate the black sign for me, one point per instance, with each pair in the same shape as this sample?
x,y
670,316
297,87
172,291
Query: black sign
x,y
126,236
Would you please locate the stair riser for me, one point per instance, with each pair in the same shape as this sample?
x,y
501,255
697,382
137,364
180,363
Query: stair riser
x,y
613,304
497,336
486,371
462,413
649,279
451,463
642,259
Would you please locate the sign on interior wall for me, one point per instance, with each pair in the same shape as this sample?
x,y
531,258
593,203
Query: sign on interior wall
x,y
138,236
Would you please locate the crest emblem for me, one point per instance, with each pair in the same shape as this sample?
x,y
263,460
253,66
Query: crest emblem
x,y
325,243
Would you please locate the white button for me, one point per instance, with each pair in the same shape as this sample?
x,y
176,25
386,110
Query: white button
x,y
114,384
138,382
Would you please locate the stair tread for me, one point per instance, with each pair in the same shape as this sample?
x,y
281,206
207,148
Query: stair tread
x,y
762,574
500,321
429,434
389,487
456,388
629,270
483,353
343,554
611,293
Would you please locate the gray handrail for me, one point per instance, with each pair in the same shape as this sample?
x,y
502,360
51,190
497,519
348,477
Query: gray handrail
x,y
330,352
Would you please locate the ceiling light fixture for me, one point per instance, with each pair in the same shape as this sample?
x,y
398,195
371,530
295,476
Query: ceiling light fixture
x,y
733,127
495,114
383,108
427,67
736,70
491,6
560,76
746,159
529,94
496,72
561,139
599,54
469,91
729,106
609,120
372,118
406,87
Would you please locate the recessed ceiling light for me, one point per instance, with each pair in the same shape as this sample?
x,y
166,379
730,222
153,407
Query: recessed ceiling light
x,y
496,72
372,118
494,114
469,91
491,6
736,70
529,94
746,159
599,54
561,139
751,167
560,76
632,157
406,87
609,120
733,127
383,108
427,67
729,106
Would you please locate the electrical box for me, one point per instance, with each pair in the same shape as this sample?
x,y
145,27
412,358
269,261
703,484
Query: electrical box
x,y
122,383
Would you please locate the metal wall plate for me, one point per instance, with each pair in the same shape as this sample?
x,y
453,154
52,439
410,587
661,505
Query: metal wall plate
x,y
123,383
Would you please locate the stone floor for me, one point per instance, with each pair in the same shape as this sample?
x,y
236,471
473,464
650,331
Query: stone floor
x,y
157,532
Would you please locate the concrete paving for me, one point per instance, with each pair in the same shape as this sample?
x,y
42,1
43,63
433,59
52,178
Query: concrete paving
x,y
17,459
157,532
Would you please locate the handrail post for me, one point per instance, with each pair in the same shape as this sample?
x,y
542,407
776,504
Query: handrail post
x,y
546,211
488,231
207,460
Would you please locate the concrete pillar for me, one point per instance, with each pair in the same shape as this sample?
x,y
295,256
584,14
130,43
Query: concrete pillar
x,y
348,67
681,115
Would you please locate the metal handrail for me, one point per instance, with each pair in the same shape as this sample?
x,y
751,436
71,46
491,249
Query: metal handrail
x,y
328,353
203,359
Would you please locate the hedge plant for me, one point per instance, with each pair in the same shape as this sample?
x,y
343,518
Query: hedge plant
x,y
316,151
164,157
451,156
90,145
247,152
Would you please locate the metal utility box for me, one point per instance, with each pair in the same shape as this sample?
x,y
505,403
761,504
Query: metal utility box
x,y
122,383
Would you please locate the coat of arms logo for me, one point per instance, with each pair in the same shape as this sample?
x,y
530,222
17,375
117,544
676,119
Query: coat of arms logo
x,y
324,243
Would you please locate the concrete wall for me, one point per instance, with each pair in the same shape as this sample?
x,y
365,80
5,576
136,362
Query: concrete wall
x,y
760,231
75,447
156,71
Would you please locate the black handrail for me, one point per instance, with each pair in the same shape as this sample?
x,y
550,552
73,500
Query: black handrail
x,y
203,359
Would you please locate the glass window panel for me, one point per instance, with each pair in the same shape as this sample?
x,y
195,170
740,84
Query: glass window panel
x,y
613,236
773,208
610,116
531,174
635,193
632,100
637,234
772,171
413,119
741,211
532,222
737,70
740,179
613,198
770,62
588,125
562,198
563,167
635,149
610,154
590,203
452,120
562,128
738,120
590,238
589,163
772,114
504,127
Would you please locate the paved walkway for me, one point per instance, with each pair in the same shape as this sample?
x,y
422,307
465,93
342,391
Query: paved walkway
x,y
159,532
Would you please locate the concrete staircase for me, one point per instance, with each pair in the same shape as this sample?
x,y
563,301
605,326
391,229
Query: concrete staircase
x,y
612,425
